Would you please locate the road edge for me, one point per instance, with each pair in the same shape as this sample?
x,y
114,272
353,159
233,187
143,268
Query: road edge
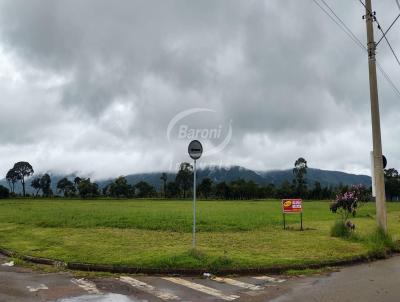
x,y
124,269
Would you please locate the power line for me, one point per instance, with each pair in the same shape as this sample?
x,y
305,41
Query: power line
x,y
391,25
345,29
398,3
383,33
390,46
388,79
393,52
363,4
344,24
354,38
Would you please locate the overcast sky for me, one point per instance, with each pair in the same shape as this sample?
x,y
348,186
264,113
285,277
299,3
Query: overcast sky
x,y
108,88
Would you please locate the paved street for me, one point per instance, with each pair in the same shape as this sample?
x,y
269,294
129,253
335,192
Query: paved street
x,y
21,284
378,281
374,282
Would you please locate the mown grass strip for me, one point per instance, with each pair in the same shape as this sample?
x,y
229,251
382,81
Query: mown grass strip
x,y
229,237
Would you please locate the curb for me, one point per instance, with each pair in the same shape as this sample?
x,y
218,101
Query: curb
x,y
123,269
31,259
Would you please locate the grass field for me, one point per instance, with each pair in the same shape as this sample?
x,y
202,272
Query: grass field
x,y
157,234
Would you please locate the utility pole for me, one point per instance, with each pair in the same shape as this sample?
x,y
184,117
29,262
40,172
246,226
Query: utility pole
x,y
376,127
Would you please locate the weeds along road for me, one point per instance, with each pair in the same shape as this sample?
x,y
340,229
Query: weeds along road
x,y
377,281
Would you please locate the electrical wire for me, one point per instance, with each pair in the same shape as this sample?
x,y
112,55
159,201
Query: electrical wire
x,y
388,79
354,38
383,33
343,24
393,52
391,25
345,29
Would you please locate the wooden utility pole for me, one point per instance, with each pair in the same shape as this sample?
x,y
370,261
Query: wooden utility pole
x,y
376,127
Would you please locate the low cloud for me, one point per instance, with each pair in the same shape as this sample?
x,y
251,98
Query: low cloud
x,y
90,87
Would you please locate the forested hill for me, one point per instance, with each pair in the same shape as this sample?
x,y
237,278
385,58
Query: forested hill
x,y
326,178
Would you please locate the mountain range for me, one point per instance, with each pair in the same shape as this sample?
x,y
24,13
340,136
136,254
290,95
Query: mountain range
x,y
228,174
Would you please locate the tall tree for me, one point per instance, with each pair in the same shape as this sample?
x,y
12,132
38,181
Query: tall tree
x,y
285,190
45,184
106,191
164,178
316,192
12,178
36,185
23,170
87,189
184,178
66,187
143,190
172,189
269,191
242,189
77,180
205,187
392,183
222,190
300,173
120,188
42,183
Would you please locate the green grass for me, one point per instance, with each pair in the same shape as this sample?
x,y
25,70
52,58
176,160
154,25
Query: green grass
x,y
157,234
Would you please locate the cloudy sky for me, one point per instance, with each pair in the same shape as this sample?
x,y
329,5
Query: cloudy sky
x,y
107,88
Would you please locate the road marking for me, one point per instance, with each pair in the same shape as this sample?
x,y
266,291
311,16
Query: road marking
x,y
86,285
237,283
35,289
163,295
202,288
270,279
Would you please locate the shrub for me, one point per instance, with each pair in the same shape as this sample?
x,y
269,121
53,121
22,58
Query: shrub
x,y
340,230
4,192
346,204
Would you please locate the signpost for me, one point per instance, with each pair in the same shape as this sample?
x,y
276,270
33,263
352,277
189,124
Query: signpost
x,y
292,206
195,151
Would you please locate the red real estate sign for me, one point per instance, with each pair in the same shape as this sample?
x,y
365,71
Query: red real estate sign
x,y
292,205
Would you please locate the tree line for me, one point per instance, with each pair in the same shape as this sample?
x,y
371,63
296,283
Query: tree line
x,y
181,186
392,184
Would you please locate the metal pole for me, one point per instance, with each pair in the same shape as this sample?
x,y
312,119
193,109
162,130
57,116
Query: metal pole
x,y
301,221
194,205
376,128
284,221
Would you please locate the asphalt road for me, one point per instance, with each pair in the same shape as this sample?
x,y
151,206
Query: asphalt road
x,y
373,282
378,281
